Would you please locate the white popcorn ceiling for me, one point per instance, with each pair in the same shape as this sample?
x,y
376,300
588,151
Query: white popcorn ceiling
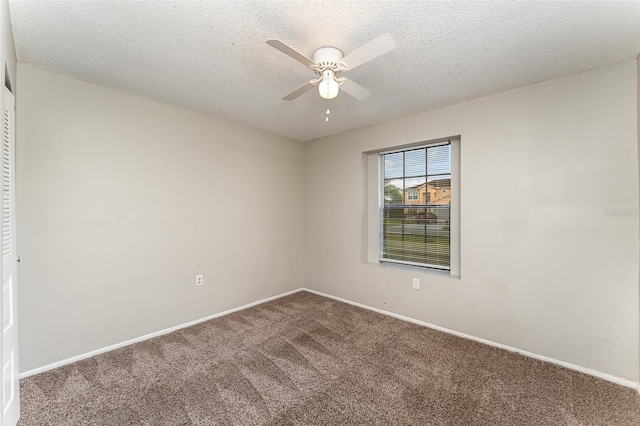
x,y
211,56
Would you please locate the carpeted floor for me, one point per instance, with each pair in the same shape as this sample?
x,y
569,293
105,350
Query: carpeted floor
x,y
308,360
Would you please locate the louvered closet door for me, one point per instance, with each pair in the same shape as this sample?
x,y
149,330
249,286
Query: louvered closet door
x,y
10,398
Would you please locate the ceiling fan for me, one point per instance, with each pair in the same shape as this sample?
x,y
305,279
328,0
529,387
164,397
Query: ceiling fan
x,y
329,62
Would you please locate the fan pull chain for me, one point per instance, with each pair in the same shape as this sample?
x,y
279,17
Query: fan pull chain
x,y
326,118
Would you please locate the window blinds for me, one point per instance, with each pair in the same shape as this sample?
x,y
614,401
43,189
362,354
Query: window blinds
x,y
415,212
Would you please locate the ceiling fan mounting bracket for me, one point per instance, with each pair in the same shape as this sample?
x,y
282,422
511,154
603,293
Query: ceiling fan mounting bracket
x,y
327,58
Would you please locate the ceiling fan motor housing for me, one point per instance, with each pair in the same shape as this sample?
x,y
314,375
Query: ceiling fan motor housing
x,y
328,58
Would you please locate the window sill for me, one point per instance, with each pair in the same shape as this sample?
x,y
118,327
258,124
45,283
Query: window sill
x,y
416,269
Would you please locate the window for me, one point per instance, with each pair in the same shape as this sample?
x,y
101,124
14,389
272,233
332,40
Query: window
x,y
416,233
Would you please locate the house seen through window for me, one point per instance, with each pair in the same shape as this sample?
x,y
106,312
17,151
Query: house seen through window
x,y
415,213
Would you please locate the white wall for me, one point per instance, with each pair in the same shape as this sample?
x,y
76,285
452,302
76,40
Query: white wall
x,y
8,50
8,66
545,269
638,126
123,200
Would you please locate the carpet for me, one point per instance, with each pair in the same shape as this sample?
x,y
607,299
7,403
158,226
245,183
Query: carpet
x,y
304,359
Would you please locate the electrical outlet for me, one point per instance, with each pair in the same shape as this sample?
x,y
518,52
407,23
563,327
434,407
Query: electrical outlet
x,y
199,280
416,284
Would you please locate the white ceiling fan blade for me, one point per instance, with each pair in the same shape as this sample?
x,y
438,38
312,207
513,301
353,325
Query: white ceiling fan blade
x,y
355,90
376,47
290,51
299,91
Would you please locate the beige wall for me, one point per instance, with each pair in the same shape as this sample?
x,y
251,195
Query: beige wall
x,y
123,200
553,273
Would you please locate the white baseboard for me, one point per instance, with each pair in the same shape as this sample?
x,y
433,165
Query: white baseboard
x,y
589,371
147,336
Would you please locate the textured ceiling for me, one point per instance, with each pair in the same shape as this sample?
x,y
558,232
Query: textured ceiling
x,y
211,56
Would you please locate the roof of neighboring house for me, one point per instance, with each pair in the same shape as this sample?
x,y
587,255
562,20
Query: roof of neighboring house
x,y
438,200
437,183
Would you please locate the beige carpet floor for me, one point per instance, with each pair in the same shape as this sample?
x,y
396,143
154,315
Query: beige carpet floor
x,y
308,360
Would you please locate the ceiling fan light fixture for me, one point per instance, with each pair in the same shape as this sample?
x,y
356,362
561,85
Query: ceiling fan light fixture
x,y
328,87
